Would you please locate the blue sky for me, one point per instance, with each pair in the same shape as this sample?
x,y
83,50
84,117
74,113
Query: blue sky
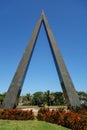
x,y
68,22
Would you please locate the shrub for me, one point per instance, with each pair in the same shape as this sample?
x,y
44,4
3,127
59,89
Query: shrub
x,y
69,119
14,114
73,120
43,114
53,116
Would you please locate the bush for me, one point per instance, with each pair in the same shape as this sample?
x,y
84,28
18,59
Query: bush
x,y
73,120
69,119
53,116
14,114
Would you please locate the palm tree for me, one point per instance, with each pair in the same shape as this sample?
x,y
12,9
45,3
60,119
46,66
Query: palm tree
x,y
47,97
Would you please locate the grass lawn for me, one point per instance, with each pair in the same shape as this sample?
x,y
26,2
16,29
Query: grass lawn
x,y
36,107
22,107
28,125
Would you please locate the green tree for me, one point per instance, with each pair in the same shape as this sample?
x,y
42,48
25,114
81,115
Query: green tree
x,y
47,97
83,96
59,98
2,96
38,98
28,97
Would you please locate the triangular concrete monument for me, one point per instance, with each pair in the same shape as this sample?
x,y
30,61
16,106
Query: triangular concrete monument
x,y
15,88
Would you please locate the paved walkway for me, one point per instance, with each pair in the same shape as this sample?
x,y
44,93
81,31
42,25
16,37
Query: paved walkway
x,y
33,109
